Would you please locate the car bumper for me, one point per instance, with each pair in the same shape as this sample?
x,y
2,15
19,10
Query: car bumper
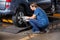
x,y
5,11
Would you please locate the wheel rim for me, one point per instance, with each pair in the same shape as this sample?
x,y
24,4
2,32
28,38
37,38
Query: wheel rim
x,y
20,20
53,8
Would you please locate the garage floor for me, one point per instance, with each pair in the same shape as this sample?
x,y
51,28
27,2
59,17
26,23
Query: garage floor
x,y
27,35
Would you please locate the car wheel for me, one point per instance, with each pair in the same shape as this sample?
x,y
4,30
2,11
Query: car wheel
x,y
17,20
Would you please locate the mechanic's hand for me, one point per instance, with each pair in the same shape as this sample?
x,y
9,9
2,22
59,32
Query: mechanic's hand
x,y
26,17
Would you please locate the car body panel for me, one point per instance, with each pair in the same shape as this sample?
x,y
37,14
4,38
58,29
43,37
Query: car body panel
x,y
14,4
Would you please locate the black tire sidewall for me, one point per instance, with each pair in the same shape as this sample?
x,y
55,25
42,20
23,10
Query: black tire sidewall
x,y
15,19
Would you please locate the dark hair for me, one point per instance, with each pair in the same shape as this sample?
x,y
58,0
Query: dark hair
x,y
33,4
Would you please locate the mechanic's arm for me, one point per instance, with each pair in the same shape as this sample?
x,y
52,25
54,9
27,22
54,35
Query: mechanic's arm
x,y
32,17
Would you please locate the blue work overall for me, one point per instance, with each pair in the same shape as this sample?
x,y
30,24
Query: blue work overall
x,y
41,21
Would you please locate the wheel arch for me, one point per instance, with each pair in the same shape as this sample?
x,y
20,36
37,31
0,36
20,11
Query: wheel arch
x,y
24,6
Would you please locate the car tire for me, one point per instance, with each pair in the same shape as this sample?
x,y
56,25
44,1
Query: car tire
x,y
17,20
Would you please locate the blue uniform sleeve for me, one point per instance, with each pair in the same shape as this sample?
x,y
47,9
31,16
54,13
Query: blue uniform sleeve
x,y
36,12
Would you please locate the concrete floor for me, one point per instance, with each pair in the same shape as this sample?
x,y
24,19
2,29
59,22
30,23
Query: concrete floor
x,y
27,35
